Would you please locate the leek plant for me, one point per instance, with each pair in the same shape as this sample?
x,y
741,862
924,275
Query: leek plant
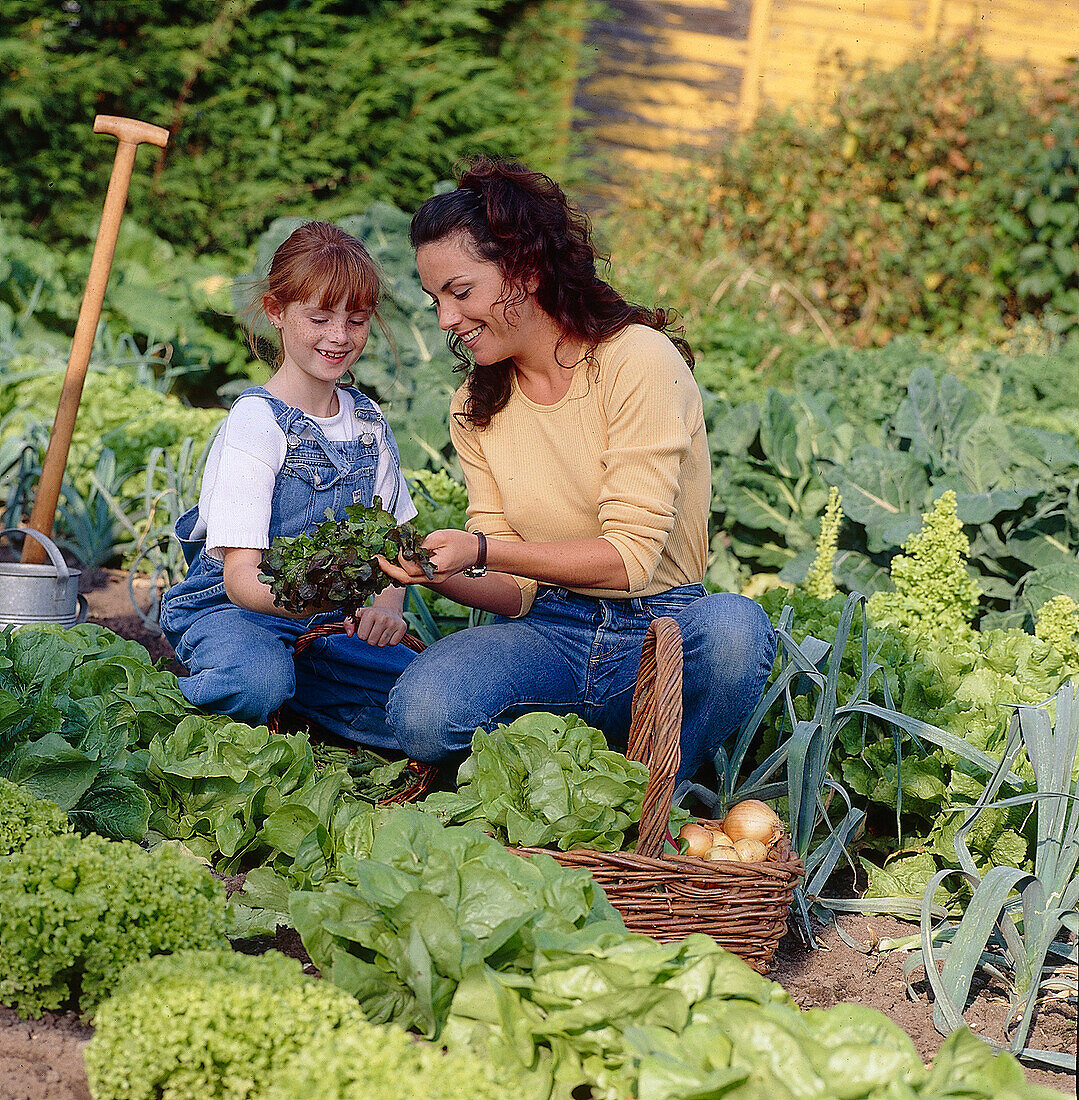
x,y
170,487
1012,925
797,769
87,526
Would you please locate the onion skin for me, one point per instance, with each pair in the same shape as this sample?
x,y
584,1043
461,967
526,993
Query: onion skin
x,y
750,851
721,840
721,852
698,839
753,820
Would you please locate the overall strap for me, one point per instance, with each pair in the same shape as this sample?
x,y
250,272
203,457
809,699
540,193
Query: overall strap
x,y
289,419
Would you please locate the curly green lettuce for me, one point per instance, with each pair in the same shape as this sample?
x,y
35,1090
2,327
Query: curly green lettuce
x,y
75,910
934,595
217,1025
23,817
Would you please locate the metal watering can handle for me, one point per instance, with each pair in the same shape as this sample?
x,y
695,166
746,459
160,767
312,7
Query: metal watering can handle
x,y
57,559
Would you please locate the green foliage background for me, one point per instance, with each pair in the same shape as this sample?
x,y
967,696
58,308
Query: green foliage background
x,y
276,107
936,197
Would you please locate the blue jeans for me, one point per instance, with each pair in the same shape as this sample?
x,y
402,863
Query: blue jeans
x,y
576,654
241,664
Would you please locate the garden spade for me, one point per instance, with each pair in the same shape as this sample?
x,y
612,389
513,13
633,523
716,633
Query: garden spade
x,y
131,134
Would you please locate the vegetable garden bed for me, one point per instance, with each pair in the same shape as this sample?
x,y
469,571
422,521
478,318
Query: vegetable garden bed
x,y
44,1058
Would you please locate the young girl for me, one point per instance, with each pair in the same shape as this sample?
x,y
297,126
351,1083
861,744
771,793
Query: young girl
x,y
286,452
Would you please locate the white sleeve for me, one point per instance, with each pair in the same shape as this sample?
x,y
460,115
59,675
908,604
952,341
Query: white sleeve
x,y
236,502
390,483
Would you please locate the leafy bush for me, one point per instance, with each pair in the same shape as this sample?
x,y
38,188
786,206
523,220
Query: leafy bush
x,y
116,411
965,684
208,1025
933,593
421,904
356,1064
328,106
631,1017
23,817
73,702
773,461
234,795
215,1025
894,213
75,910
1047,225
165,316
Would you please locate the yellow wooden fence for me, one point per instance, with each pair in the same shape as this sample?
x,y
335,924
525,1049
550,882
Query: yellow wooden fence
x,y
676,75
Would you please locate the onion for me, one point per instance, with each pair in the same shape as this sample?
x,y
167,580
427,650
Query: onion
x,y
721,840
698,839
753,820
750,851
721,851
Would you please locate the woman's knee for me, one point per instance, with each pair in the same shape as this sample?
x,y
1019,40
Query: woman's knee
x,y
728,631
428,713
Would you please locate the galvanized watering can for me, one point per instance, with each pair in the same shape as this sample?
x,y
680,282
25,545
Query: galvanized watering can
x,y
40,593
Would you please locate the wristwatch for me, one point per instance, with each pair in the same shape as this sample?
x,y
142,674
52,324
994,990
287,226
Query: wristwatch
x,y
480,568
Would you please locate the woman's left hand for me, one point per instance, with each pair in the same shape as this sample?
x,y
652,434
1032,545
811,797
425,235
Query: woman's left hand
x,y
376,625
451,552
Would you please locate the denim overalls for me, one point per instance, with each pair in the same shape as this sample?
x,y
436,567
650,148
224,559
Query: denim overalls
x,y
241,662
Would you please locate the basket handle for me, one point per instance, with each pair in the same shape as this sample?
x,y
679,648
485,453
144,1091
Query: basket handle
x,y
337,626
656,729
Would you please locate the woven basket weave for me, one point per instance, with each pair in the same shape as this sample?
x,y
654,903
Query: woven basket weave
x,y
743,906
422,775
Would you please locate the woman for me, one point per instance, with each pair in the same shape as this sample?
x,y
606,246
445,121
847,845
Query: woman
x,y
581,435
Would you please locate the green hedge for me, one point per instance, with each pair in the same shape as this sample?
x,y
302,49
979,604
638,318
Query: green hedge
x,y
275,107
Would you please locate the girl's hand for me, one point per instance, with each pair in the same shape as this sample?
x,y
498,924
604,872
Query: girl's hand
x,y
451,551
376,625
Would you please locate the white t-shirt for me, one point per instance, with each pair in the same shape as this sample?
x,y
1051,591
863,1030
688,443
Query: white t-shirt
x,y
247,455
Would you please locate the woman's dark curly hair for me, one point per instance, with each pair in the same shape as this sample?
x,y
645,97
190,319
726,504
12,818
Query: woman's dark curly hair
x,y
523,222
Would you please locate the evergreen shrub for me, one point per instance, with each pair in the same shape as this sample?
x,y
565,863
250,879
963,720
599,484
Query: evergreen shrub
x,y
907,207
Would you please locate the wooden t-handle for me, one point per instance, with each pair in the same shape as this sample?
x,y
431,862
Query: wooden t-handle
x,y
131,133
131,130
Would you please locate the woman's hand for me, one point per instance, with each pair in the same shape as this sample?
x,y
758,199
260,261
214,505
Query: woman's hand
x,y
451,551
376,625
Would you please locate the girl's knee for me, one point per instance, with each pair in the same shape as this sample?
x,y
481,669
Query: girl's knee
x,y
244,685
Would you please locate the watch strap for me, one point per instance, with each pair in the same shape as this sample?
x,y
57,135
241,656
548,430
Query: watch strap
x,y
480,568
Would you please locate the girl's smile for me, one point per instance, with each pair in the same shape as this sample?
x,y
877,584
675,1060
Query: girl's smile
x,y
319,344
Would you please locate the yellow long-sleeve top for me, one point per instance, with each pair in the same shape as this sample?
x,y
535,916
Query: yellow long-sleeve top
x,y
622,456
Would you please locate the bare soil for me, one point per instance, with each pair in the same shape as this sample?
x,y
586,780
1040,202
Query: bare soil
x,y
42,1059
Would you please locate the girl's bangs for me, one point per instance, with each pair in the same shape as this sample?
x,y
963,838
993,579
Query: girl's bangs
x,y
338,276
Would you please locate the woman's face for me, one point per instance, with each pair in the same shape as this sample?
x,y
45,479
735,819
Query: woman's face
x,y
470,295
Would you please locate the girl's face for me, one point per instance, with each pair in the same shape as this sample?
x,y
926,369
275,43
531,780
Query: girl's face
x,y
469,295
320,343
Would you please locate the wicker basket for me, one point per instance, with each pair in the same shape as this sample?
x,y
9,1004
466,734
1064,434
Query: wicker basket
x,y
422,775
743,906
